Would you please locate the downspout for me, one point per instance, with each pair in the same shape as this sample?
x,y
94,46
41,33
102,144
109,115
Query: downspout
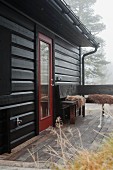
x,y
86,54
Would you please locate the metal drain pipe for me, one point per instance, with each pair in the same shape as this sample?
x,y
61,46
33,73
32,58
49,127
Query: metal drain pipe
x,y
86,54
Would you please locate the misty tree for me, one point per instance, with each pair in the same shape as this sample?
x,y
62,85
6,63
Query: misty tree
x,y
95,64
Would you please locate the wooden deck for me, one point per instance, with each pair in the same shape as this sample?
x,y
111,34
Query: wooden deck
x,y
88,127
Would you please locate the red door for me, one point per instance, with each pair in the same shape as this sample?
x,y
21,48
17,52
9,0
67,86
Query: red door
x,y
45,83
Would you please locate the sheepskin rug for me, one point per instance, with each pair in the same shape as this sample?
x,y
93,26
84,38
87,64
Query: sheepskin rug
x,y
79,99
100,98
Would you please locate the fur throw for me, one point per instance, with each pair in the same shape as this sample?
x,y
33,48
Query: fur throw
x,y
80,100
100,98
44,98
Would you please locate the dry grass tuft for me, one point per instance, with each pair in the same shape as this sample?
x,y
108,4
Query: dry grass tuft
x,y
100,160
74,158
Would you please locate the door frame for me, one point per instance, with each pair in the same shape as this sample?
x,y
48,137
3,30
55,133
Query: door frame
x,y
46,120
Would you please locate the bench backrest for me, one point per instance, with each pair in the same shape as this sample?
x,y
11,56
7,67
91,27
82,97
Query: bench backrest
x,y
94,89
65,90
61,92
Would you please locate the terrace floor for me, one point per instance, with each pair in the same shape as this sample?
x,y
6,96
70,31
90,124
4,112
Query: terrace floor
x,y
91,138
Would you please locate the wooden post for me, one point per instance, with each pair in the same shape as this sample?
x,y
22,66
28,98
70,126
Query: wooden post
x,y
102,109
83,111
72,114
80,109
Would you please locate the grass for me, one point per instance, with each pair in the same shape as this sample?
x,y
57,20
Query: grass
x,y
70,157
74,158
100,160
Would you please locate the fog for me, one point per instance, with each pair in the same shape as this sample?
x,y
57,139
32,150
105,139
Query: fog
x,y
105,9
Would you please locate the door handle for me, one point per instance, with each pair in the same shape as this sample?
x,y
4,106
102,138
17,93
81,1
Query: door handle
x,y
52,82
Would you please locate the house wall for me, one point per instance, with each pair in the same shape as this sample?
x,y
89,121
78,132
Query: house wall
x,y
67,63
67,71
20,102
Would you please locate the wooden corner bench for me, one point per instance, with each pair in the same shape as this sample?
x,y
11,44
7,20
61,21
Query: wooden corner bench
x,y
62,105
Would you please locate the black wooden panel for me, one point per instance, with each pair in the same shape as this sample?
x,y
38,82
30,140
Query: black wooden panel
x,y
3,131
22,86
66,51
1,140
15,98
22,139
22,41
15,27
25,118
19,109
67,58
20,103
22,74
95,89
21,131
3,149
65,71
5,70
65,78
68,65
13,15
65,44
22,63
22,53
2,126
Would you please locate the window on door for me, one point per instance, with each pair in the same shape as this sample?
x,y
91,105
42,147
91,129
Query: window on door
x,y
44,79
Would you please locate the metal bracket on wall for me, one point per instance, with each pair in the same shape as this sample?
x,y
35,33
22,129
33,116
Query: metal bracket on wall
x,y
18,121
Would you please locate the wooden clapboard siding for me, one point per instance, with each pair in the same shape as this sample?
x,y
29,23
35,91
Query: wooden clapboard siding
x,y
22,130
19,74
15,98
17,28
67,70
64,71
67,63
68,78
68,51
64,57
22,139
18,86
22,108
22,41
20,103
22,53
12,15
22,64
26,118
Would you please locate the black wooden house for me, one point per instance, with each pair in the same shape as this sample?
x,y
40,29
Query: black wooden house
x,y
40,48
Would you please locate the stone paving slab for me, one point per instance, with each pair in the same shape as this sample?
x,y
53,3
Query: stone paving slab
x,y
17,165
18,168
20,157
